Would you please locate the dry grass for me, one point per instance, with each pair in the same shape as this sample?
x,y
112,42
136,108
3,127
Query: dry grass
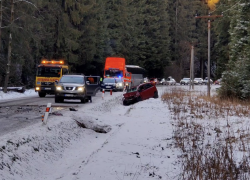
x,y
212,134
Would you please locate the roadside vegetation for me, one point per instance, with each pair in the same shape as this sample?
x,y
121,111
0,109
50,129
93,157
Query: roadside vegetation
x,y
213,135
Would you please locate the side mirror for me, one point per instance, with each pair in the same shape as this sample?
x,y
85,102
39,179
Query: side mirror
x,y
87,82
56,81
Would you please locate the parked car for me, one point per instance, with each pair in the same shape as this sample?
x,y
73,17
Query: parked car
x,y
154,81
162,81
76,87
114,84
145,80
140,93
170,81
198,81
218,82
185,81
206,80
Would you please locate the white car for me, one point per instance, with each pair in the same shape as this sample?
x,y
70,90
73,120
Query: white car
x,y
162,81
170,81
185,81
198,81
206,80
145,80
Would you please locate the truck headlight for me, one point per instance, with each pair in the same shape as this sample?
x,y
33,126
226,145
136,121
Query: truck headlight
x,y
37,88
58,88
80,88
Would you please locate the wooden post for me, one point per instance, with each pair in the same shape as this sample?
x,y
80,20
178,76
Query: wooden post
x,y
192,65
208,60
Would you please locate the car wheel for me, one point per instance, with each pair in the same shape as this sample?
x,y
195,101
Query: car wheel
x,y
125,103
41,94
138,98
156,94
84,100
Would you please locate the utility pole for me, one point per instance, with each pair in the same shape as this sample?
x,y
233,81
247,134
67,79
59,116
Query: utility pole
x,y
192,64
192,68
208,54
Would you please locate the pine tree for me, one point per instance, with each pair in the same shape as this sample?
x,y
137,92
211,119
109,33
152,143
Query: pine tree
x,y
236,78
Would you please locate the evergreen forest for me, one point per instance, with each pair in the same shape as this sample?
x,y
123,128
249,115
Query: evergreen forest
x,y
154,34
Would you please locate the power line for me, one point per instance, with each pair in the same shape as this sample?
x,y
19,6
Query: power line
x,y
231,7
228,8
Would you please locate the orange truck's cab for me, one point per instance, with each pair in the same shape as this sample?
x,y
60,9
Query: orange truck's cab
x,y
115,67
47,73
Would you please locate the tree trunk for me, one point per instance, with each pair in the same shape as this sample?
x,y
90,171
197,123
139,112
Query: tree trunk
x,y
9,49
1,17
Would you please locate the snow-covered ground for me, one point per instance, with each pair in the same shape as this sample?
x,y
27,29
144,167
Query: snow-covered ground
x,y
138,146
14,95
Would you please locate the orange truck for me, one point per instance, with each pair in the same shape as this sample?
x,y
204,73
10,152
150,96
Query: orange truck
x,y
115,67
47,73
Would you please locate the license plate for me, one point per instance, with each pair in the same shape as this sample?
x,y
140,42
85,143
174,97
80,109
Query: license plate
x,y
108,86
47,88
69,95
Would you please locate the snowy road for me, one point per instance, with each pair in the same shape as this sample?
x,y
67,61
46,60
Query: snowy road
x,y
20,112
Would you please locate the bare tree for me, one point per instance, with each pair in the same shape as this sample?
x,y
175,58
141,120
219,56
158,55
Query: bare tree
x,y
9,48
10,41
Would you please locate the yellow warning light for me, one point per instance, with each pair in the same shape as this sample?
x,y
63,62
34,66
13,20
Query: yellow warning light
x,y
45,61
61,62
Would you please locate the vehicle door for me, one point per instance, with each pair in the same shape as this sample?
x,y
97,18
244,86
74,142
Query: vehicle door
x,y
142,91
149,90
92,85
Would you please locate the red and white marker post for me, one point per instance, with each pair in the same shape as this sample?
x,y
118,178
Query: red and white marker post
x,y
46,114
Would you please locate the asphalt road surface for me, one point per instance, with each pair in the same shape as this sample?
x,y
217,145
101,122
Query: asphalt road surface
x,y
22,112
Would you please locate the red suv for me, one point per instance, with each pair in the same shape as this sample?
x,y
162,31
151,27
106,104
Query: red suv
x,y
140,93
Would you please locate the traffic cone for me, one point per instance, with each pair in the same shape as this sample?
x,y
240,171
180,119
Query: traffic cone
x,y
110,91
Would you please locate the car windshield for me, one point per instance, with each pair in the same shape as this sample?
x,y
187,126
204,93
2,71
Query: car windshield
x,y
186,78
118,80
109,80
48,72
113,73
132,89
72,79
